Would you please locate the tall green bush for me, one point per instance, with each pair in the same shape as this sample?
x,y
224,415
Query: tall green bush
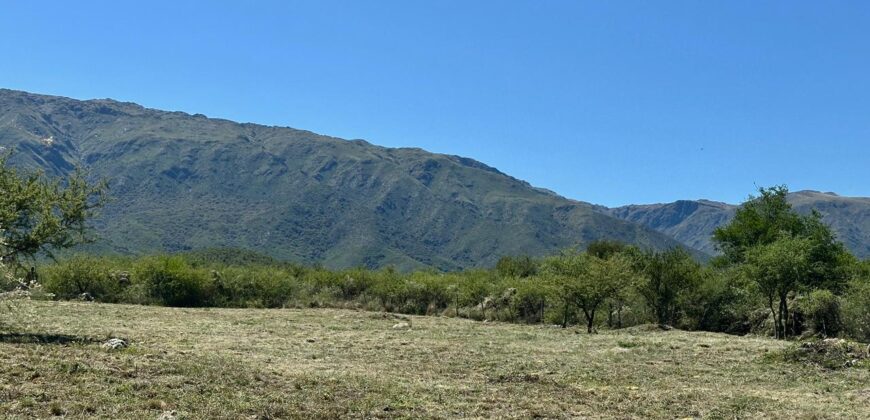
x,y
856,309
173,282
82,274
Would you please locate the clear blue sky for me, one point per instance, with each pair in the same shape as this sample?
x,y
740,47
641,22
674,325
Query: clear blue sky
x,y
611,102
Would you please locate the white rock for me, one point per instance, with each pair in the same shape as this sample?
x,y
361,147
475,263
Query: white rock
x,y
115,344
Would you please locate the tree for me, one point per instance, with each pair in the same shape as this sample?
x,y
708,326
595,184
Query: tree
x,y
779,268
38,214
605,279
783,251
760,220
587,281
560,275
667,277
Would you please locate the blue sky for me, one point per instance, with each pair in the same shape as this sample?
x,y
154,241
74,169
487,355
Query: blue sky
x,y
608,102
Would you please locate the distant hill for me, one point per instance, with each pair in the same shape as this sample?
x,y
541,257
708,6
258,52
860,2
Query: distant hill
x,y
185,182
693,222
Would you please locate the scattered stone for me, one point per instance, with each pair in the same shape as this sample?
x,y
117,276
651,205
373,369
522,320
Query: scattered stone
x,y
115,344
402,326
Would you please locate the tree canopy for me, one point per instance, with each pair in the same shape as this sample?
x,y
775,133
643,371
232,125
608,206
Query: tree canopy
x,y
38,214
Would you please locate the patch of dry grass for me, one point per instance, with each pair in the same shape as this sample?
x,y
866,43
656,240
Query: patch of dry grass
x,y
233,363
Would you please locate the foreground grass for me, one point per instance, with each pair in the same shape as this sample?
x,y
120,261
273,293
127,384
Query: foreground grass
x,y
233,363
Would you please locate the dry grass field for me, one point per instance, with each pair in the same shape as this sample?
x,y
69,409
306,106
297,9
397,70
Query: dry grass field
x,y
323,363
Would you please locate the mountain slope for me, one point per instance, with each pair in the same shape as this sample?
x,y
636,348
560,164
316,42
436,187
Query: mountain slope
x,y
185,181
693,222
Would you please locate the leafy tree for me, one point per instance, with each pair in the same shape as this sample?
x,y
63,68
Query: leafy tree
x,y
765,219
40,215
760,220
783,251
587,282
606,279
779,268
668,277
560,276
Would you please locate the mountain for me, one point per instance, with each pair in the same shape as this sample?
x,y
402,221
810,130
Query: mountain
x,y
693,222
182,182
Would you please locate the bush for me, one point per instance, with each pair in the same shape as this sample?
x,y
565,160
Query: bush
x,y
530,301
82,274
252,287
173,282
821,308
856,309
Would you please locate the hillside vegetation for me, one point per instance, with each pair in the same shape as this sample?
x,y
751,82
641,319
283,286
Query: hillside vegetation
x,y
182,182
325,363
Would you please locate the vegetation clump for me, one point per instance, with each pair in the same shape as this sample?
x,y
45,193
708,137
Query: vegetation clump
x,y
829,353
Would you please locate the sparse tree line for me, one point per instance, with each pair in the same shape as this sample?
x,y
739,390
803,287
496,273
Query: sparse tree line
x,y
779,273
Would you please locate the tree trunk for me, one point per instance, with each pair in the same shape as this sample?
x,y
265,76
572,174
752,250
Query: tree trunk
x,y
565,316
610,315
619,316
776,332
590,319
784,302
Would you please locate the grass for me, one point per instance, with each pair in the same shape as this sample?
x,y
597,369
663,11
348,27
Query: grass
x,y
327,363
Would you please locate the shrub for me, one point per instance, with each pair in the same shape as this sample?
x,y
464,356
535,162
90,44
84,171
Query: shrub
x,y
530,301
856,309
173,282
82,274
821,308
252,287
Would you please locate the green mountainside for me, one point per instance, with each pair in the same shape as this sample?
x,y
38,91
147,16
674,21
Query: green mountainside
x,y
693,222
185,182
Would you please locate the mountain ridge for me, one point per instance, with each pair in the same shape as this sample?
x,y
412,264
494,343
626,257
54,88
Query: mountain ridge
x,y
185,181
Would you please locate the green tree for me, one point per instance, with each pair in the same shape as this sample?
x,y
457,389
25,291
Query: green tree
x,y
783,252
760,220
779,268
765,219
606,279
586,282
667,278
560,275
38,214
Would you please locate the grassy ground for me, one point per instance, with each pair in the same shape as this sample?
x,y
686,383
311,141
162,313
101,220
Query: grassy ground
x,y
337,363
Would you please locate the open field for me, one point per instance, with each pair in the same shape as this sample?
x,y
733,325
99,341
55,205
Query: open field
x,y
227,363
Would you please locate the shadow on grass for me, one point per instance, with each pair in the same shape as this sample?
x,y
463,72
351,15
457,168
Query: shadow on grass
x,y
44,338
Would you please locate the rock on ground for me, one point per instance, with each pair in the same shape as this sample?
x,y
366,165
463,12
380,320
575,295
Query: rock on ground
x,y
115,344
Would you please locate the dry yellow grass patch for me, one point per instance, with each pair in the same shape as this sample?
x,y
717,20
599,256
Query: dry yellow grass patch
x,y
233,363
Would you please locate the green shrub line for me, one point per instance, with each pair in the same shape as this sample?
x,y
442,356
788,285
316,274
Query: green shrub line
x,y
518,289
